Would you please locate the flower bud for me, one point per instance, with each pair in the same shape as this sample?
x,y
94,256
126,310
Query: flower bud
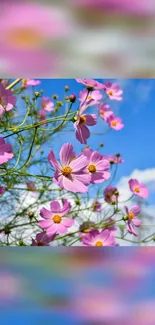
x,y
72,98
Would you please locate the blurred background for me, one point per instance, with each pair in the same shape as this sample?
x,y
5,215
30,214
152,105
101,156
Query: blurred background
x,y
112,286
82,38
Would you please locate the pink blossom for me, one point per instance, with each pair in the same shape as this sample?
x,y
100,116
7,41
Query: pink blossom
x,y
5,151
42,239
138,189
97,166
97,238
54,218
96,206
31,186
132,221
91,84
7,99
30,82
111,194
113,91
115,122
82,132
104,111
47,104
89,99
71,174
2,190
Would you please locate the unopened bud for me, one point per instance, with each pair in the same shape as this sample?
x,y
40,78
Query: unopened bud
x,y
72,98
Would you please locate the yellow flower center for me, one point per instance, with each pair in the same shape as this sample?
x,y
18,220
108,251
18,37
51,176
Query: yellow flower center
x,y
57,218
44,105
102,112
137,190
24,37
131,215
98,243
113,123
110,92
82,119
86,231
90,97
66,171
92,168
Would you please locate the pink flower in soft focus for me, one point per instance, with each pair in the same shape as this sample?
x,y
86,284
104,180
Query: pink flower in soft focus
x,y
97,166
82,132
47,104
5,151
113,91
7,99
96,238
91,84
89,99
132,221
111,194
2,190
71,174
30,82
42,239
31,186
29,25
138,189
104,111
54,222
96,206
115,122
114,159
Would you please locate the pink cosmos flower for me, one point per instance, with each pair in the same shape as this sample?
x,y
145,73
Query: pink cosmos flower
x,y
43,239
115,122
97,166
114,159
138,189
47,104
96,206
30,82
54,218
71,174
31,186
132,221
111,194
5,151
89,99
96,238
82,132
91,84
2,190
104,111
7,99
113,91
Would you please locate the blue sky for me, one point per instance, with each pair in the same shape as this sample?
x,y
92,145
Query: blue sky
x,y
135,141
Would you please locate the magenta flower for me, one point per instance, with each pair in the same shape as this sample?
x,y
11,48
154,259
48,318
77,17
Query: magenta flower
x,y
82,132
5,151
96,206
115,122
91,84
111,194
54,218
132,221
47,104
30,82
113,91
96,238
71,174
89,99
97,166
42,239
104,111
2,190
138,189
7,99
